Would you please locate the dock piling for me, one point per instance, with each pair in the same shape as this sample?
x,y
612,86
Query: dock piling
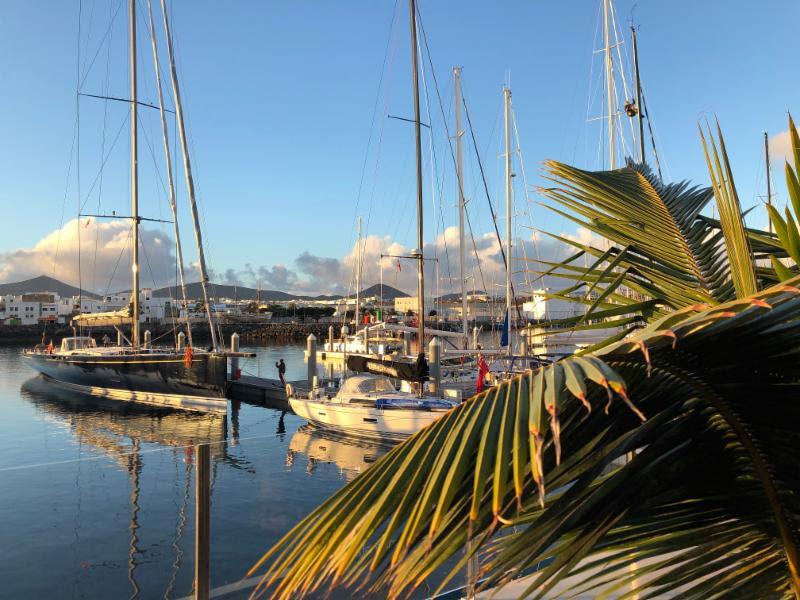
x,y
435,366
234,360
311,352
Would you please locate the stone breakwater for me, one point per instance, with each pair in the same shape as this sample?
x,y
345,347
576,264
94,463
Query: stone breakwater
x,y
164,334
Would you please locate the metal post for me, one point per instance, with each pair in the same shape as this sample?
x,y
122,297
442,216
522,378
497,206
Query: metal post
x,y
345,331
134,180
168,169
311,351
181,341
461,205
147,339
609,64
418,136
234,359
358,276
187,168
475,338
435,367
769,183
507,96
638,94
202,531
330,338
407,343
119,338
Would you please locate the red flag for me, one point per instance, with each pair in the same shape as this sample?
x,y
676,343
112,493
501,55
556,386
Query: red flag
x,y
483,369
187,358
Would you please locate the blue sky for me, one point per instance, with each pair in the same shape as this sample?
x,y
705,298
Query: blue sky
x,y
280,98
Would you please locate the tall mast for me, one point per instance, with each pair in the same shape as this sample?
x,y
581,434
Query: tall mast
x,y
769,183
639,115
170,179
358,274
507,97
461,204
134,179
418,135
187,167
609,82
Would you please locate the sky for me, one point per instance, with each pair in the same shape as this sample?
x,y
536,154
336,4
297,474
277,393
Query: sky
x,y
288,109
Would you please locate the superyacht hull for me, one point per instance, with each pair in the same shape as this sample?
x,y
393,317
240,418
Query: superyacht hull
x,y
155,379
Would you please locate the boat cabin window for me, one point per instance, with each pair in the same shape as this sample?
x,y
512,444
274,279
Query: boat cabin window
x,y
77,343
366,384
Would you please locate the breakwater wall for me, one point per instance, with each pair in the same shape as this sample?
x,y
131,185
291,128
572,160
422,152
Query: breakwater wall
x,y
164,334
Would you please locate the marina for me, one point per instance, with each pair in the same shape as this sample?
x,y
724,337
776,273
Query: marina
x,y
390,300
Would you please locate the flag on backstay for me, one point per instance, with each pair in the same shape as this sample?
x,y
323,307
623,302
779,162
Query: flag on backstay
x,y
505,336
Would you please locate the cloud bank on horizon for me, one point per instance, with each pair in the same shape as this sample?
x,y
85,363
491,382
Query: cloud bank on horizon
x,y
105,262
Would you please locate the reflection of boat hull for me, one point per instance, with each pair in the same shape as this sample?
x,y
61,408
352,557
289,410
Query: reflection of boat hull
x,y
156,380
390,423
352,456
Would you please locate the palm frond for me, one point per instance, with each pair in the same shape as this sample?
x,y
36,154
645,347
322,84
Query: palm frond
x,y
532,472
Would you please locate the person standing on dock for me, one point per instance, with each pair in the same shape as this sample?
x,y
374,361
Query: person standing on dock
x,y
281,366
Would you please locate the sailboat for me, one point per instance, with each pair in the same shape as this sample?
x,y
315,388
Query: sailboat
x,y
178,377
368,404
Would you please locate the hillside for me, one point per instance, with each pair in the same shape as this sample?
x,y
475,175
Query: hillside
x,y
194,291
43,284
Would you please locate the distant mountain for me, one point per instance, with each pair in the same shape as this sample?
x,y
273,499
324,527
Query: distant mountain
x,y
194,291
43,284
389,293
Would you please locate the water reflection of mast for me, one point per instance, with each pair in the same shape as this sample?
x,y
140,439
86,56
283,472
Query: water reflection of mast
x,y
176,565
134,469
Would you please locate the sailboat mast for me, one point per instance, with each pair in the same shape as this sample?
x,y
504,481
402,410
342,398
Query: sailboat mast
x,y
769,183
134,179
418,135
461,204
358,275
507,97
168,159
609,82
639,114
187,168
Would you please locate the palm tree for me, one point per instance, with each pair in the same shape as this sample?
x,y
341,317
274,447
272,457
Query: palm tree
x,y
662,462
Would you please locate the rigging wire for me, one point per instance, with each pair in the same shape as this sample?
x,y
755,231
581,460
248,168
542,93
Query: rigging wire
x,y
489,199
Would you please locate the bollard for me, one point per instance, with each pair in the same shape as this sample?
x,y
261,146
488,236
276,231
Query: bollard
x,y
147,338
475,338
523,343
181,341
235,359
435,367
311,351
407,343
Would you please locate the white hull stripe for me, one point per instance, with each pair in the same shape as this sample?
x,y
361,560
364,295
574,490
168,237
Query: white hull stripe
x,y
181,401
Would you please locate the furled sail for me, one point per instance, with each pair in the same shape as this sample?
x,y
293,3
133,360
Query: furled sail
x,y
103,319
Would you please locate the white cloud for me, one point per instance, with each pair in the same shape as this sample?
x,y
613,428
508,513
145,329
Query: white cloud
x,y
780,147
105,261
108,267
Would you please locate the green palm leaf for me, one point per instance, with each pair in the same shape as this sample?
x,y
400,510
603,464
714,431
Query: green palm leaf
x,y
714,473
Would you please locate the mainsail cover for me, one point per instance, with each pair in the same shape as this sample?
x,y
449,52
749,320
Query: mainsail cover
x,y
104,319
390,368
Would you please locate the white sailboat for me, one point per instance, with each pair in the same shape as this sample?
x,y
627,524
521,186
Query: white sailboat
x,y
177,377
370,405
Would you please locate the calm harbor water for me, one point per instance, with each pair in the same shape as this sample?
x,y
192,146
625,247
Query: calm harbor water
x,y
97,498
